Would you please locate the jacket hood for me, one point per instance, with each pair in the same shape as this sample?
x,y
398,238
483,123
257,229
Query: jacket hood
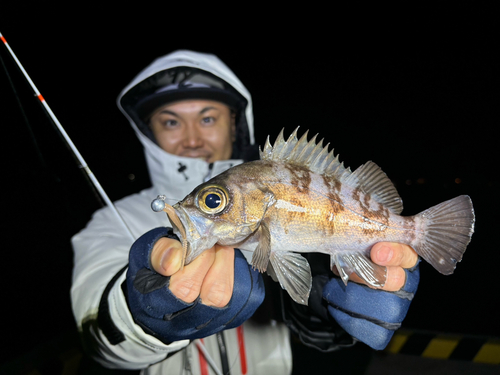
x,y
169,171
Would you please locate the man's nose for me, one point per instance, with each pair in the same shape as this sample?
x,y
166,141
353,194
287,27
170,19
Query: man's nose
x,y
193,138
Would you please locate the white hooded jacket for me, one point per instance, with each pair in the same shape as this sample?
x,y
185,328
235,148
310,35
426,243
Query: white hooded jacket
x,y
101,255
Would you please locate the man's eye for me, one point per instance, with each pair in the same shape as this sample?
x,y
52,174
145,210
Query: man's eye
x,y
208,120
171,123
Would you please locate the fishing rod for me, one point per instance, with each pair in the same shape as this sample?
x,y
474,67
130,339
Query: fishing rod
x,y
74,149
199,344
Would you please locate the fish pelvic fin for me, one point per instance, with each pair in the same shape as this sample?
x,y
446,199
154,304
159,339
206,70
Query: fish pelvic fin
x,y
311,154
270,271
448,229
260,258
361,265
293,273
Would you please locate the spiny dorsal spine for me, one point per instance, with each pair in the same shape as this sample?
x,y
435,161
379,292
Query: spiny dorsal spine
x,y
305,153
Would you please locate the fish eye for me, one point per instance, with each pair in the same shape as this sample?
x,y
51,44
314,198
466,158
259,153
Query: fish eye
x,y
212,199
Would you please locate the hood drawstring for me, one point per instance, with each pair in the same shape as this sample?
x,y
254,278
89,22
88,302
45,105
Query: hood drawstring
x,y
210,172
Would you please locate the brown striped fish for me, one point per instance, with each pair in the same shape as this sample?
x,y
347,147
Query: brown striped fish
x,y
299,198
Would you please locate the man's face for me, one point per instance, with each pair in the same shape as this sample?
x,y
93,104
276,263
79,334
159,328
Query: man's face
x,y
195,128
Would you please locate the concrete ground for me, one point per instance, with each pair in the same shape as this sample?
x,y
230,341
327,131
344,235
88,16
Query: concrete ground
x,y
64,356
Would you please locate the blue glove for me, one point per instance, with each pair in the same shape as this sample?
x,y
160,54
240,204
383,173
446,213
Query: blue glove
x,y
166,317
370,315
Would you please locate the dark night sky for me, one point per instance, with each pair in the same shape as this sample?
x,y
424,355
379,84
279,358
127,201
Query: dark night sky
x,y
419,98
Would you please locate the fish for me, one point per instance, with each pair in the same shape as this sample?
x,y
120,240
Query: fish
x,y
299,198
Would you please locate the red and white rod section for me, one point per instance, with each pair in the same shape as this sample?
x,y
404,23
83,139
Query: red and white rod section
x,y
82,162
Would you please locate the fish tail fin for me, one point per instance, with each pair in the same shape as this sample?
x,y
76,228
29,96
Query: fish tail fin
x,y
448,227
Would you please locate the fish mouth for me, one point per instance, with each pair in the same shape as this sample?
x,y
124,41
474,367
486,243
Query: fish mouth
x,y
194,232
178,228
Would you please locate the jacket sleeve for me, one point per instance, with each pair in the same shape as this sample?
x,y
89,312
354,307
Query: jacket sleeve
x,y
103,318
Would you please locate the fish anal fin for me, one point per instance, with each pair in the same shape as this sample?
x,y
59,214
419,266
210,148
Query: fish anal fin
x,y
358,263
293,273
260,258
344,270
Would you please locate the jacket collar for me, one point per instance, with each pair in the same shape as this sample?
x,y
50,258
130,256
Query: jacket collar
x,y
176,176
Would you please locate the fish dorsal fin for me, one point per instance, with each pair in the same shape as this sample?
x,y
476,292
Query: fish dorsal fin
x,y
368,177
376,184
305,153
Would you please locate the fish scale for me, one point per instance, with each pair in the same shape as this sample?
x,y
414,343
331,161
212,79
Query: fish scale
x,y
300,198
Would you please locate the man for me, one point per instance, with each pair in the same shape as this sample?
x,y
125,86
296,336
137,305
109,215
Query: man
x,y
139,309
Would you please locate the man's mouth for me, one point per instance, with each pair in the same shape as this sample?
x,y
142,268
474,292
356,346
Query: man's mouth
x,y
197,155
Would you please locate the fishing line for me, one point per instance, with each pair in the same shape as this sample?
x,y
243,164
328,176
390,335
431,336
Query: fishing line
x,y
69,142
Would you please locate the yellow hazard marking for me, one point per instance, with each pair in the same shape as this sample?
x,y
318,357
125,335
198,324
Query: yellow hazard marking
x,y
489,353
441,347
397,342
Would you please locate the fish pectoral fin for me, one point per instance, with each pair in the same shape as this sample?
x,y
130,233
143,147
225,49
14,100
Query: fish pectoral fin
x,y
361,265
260,258
293,273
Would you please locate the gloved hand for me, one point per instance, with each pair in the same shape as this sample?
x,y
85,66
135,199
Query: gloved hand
x,y
370,315
168,318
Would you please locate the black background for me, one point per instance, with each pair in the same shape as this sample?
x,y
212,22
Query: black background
x,y
417,93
